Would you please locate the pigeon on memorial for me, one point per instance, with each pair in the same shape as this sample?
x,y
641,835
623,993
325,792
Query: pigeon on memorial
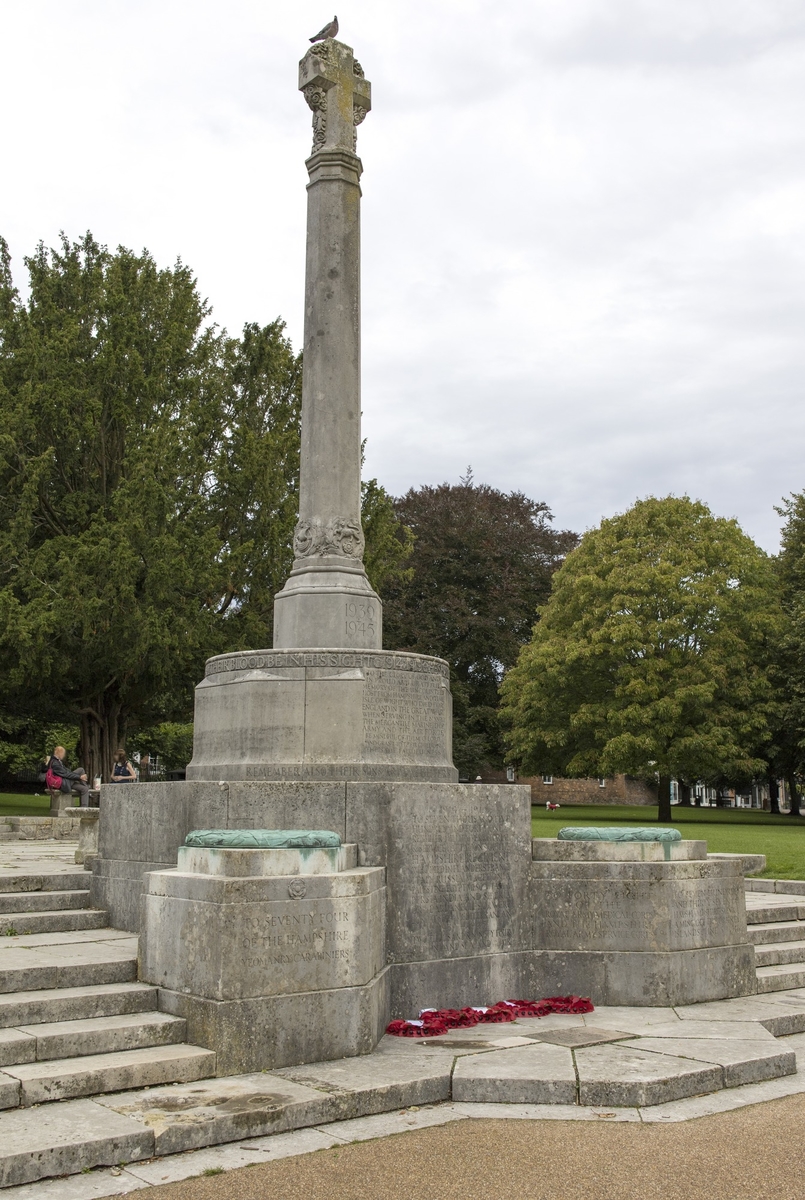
x,y
329,31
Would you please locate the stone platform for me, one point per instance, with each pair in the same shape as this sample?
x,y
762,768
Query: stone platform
x,y
666,1065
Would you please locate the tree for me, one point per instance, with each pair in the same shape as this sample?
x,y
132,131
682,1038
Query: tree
x,y
650,654
787,756
149,469
481,564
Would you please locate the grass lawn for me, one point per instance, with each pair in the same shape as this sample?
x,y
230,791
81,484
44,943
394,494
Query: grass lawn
x,y
21,804
730,830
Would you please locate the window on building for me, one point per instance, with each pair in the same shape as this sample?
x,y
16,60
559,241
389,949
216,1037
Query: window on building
x,y
547,778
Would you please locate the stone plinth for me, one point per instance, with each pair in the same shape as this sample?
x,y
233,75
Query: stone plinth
x,y
640,932
551,850
241,953
295,714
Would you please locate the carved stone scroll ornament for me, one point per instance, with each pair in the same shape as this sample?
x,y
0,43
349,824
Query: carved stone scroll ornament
x,y
317,102
358,115
314,538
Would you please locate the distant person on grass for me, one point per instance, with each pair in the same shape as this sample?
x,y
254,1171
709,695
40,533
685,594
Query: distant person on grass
x,y
68,781
123,771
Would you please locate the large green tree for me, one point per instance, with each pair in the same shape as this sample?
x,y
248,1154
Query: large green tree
x,y
651,654
481,565
149,469
787,752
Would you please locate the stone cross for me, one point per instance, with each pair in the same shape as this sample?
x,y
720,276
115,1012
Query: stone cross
x,y
327,601
332,81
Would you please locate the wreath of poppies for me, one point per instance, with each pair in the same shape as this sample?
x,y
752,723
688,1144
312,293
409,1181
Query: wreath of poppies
x,y
435,1021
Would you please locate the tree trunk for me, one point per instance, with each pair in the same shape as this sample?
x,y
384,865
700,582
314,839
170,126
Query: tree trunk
x,y
664,798
99,737
684,794
791,780
774,796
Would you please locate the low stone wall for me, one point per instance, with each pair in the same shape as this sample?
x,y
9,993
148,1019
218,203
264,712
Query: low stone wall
x,y
783,887
43,829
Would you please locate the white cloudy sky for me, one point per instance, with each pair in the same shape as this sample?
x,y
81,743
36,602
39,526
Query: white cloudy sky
x,y
583,260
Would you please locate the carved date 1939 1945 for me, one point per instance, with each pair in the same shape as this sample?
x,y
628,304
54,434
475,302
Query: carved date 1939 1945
x,y
360,619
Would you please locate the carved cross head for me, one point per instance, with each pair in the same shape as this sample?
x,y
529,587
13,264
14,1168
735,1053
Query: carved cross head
x,y
333,84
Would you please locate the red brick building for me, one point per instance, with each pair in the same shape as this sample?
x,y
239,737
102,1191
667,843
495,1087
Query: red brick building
x,y
614,789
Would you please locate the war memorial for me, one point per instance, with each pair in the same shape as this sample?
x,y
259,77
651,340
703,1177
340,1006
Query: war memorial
x,y
321,872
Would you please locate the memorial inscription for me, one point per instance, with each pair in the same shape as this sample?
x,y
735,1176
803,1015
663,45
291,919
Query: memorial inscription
x,y
403,716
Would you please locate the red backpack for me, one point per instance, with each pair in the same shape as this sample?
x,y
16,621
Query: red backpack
x,y
52,780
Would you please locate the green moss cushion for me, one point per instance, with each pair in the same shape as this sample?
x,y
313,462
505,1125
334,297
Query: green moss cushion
x,y
591,833
262,839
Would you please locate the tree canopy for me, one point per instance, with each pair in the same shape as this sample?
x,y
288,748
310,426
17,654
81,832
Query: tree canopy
x,y
149,471
650,655
481,565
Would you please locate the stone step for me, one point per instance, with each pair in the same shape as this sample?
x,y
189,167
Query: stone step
x,y
780,978
773,954
76,1003
762,914
95,1074
75,1039
78,965
776,931
66,921
7,836
38,882
64,1139
30,902
49,1041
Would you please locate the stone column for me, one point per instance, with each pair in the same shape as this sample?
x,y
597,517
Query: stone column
x,y
327,601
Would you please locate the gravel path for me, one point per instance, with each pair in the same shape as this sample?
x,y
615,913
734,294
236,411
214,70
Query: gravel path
x,y
752,1153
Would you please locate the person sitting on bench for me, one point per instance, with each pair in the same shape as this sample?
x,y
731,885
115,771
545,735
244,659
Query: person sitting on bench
x,y
72,781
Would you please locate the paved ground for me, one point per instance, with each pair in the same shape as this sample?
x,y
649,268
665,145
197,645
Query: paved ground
x,y
755,1153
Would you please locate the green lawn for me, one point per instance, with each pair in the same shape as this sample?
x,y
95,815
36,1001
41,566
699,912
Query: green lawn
x,y
730,830
20,804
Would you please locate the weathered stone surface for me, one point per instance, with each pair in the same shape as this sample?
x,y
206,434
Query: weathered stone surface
x,y
66,1138
101,1035
244,863
457,869
274,714
76,1003
16,1046
267,1032
552,850
638,906
742,1061
626,1077
88,828
143,828
378,1083
536,1074
218,947
636,978
9,1091
225,1110
65,1079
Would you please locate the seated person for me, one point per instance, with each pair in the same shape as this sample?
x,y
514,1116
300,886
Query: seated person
x,y
72,781
123,771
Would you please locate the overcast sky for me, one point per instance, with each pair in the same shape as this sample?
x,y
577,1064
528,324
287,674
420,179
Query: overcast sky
x,y
583,258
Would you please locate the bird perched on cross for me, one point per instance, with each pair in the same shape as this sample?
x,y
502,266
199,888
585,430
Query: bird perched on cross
x,y
329,31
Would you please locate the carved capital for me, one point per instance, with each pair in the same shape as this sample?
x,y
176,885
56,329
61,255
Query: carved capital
x,y
338,536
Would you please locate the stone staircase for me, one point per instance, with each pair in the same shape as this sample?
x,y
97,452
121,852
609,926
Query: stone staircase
x,y
776,927
73,1020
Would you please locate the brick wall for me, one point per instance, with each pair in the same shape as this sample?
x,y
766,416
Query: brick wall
x,y
617,789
